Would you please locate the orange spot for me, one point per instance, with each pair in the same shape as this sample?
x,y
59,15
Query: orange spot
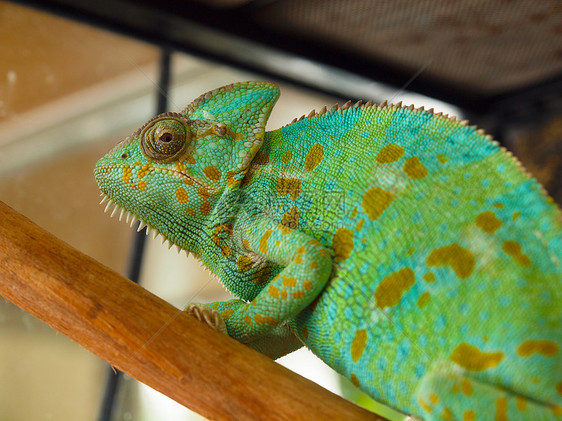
x,y
205,208
429,277
181,195
263,241
472,359
559,388
291,219
203,193
298,259
145,169
245,263
358,344
390,153
556,410
520,403
501,409
466,387
375,202
307,285
246,244
212,173
284,294
414,168
230,180
360,224
299,295
442,158
273,291
424,299
447,414
424,405
433,399
515,215
289,186
314,265
498,205
469,415
287,156
544,347
314,157
227,313
248,320
354,380
393,286
460,259
513,248
342,244
488,222
141,185
262,320
127,173
353,213
289,282
191,211
305,332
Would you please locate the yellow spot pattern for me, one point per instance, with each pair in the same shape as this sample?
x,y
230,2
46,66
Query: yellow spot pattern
x,y
501,409
289,186
291,219
429,277
314,157
469,415
358,344
145,169
543,347
289,282
466,387
472,359
342,244
390,153
424,299
127,173
488,222
393,286
263,241
212,173
245,263
442,158
273,291
460,259
263,320
520,403
141,185
205,208
354,380
181,195
513,248
376,201
414,168
286,158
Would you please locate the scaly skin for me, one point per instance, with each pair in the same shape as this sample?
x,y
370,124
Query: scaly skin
x,y
404,248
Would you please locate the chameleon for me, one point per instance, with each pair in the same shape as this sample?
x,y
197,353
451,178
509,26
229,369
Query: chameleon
x,y
405,248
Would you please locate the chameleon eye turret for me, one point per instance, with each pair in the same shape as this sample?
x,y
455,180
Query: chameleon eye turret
x,y
164,138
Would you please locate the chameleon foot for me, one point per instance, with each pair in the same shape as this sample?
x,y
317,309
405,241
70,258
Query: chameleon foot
x,y
208,315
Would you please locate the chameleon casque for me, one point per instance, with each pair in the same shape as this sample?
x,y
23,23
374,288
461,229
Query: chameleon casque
x,y
406,249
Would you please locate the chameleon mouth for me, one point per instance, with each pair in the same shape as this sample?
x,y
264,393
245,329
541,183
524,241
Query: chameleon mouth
x,y
131,218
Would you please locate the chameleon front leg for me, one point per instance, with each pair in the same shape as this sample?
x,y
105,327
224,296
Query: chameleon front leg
x,y
264,323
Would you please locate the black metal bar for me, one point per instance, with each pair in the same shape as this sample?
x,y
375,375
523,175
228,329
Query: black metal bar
x,y
114,377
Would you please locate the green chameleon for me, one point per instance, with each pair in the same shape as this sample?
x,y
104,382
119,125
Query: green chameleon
x,y
402,247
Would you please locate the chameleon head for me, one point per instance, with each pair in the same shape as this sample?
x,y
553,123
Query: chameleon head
x,y
172,172
152,175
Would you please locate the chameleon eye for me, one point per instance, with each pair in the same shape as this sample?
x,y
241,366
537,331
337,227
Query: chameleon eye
x,y
164,138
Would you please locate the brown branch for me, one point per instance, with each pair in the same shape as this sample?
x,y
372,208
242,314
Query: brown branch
x,y
148,338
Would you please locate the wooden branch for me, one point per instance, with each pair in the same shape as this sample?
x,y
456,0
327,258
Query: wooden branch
x,y
149,339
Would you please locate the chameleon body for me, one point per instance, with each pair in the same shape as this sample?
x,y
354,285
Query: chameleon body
x,y
404,248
